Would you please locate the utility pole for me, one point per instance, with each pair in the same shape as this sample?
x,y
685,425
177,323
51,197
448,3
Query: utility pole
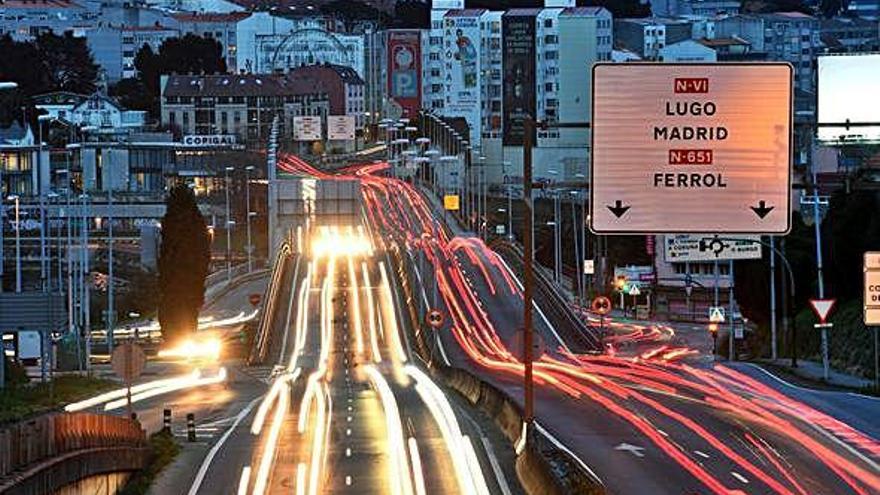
x,y
228,230
528,275
818,230
731,346
111,315
247,195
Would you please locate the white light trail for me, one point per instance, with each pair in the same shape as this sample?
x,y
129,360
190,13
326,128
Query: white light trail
x,y
418,476
388,311
269,448
399,473
244,480
356,307
371,314
191,381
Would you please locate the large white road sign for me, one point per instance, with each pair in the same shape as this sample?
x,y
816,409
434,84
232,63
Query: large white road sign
x,y
707,247
691,148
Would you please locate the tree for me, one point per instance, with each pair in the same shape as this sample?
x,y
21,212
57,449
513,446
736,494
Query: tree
x,y
67,62
183,264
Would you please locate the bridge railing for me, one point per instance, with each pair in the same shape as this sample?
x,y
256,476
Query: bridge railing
x,y
261,339
30,442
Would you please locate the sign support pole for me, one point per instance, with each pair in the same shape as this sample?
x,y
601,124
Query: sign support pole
x,y
732,340
773,353
876,359
528,273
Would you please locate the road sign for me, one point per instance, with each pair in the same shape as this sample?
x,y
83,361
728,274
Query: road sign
x,y
872,288
254,299
340,127
500,229
589,267
634,290
434,318
702,247
450,202
601,305
690,148
128,361
822,307
823,325
716,314
307,128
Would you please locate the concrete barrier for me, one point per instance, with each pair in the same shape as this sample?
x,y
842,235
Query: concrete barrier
x,y
541,467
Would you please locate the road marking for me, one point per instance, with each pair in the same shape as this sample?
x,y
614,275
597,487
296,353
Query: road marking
x,y
701,454
348,481
348,452
348,432
490,453
203,469
244,480
740,477
568,451
662,432
633,449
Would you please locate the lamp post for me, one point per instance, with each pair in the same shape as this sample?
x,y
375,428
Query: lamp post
x,y
247,195
228,229
3,85
15,199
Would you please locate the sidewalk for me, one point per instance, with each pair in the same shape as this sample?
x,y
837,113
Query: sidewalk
x,y
813,371
449,219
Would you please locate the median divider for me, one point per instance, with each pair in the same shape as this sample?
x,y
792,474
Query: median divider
x,y
541,467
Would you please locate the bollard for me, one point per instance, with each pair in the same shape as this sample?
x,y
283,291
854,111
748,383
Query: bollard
x,y
166,420
191,427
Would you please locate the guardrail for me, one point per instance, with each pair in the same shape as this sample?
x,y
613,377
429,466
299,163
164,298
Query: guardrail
x,y
577,335
261,339
33,452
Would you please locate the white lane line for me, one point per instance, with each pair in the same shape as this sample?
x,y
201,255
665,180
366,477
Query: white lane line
x,y
741,478
348,452
662,432
496,466
568,451
203,469
348,481
701,454
244,480
807,389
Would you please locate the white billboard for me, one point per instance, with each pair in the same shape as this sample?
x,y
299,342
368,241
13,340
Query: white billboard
x,y
307,128
340,127
462,60
849,91
691,148
698,247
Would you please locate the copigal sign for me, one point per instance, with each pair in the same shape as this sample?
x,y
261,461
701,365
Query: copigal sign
x,y
691,148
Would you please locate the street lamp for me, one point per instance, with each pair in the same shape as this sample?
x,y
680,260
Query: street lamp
x,y
247,195
14,198
229,224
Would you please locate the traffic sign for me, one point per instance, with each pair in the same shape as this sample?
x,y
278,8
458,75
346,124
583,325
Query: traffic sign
x,y
589,267
822,307
450,202
872,288
716,314
254,299
128,361
434,318
601,305
634,290
694,247
691,148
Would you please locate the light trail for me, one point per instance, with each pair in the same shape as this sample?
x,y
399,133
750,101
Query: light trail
x,y
388,310
121,392
267,457
398,465
371,314
192,381
356,305
418,476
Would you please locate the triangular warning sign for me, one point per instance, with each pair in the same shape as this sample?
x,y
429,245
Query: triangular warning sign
x,y
822,307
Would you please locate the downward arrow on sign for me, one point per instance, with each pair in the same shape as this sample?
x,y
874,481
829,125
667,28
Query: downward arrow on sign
x,y
633,449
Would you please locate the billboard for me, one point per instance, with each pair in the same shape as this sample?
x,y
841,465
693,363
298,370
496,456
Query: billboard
x,y
691,148
206,140
405,69
307,128
340,127
848,87
518,32
693,247
462,62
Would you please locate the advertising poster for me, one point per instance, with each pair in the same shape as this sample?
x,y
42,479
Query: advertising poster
x,y
307,128
340,127
405,69
518,32
462,60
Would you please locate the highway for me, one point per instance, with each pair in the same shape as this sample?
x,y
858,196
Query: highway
x,y
657,419
349,410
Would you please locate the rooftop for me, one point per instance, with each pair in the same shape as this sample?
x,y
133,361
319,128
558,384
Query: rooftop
x,y
718,42
211,16
582,11
39,4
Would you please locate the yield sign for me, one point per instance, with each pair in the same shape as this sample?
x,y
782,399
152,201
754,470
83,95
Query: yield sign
x,y
822,307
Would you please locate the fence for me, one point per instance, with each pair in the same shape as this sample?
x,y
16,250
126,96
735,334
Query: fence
x,y
40,439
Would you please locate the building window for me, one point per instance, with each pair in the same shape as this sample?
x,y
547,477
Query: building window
x,y
548,23
551,39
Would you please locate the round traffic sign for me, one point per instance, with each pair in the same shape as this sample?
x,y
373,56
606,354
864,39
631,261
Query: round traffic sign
x,y
601,305
128,361
255,299
434,318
